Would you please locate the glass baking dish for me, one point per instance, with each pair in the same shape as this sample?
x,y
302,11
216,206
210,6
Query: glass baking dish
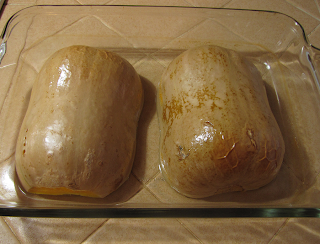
x,y
150,38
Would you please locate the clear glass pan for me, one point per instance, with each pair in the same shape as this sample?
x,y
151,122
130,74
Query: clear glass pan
x,y
150,38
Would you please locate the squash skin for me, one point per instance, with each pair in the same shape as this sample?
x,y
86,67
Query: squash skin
x,y
217,131
79,132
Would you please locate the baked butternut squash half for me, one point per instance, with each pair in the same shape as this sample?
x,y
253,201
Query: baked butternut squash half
x,y
218,133
79,132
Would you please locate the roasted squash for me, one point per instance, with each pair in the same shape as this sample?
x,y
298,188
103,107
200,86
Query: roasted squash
x,y
218,133
79,132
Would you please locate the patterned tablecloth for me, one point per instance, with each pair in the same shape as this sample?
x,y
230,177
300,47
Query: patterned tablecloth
x,y
180,230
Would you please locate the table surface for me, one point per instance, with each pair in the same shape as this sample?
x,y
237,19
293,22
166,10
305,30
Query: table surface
x,y
225,230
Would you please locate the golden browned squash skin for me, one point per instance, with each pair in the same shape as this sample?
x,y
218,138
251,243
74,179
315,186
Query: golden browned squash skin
x,y
218,133
79,132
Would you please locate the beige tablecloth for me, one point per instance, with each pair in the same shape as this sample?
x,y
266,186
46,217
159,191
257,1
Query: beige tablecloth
x,y
184,230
